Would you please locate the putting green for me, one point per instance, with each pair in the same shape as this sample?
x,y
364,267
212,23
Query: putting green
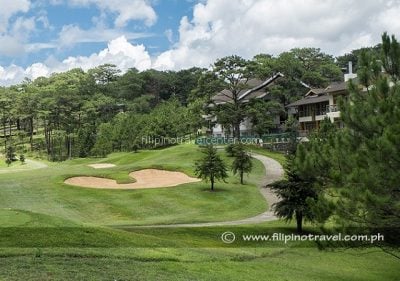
x,y
18,167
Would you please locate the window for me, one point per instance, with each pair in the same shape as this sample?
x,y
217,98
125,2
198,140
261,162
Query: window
x,y
321,108
313,109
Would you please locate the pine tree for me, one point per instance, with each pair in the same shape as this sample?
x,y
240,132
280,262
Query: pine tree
x,y
361,163
10,155
22,159
369,147
211,167
295,193
242,162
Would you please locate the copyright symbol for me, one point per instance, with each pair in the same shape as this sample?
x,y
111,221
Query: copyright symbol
x,y
228,237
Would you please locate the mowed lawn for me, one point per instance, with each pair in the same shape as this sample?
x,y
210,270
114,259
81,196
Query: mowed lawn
x,y
43,191
64,251
51,231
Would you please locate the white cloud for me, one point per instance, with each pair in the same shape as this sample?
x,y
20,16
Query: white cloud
x,y
217,28
16,28
247,27
127,10
170,35
12,35
119,52
9,8
22,27
73,34
37,70
14,41
10,75
10,46
35,47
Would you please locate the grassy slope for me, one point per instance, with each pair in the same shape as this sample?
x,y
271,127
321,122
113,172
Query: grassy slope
x,y
43,191
52,244
76,253
13,165
204,264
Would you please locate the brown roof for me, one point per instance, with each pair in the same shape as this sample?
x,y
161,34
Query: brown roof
x,y
336,87
226,96
320,95
309,100
252,89
316,91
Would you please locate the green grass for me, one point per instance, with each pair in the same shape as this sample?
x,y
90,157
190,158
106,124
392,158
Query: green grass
x,y
44,192
17,166
278,156
4,165
65,251
200,264
52,231
121,177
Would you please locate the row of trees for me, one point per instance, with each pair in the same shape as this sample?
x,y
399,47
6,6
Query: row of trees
x,y
62,115
212,168
70,114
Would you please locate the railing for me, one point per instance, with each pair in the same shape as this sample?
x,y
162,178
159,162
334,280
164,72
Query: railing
x,y
276,138
333,108
314,113
267,138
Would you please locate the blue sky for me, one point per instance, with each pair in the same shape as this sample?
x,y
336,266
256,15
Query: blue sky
x,y
59,15
40,37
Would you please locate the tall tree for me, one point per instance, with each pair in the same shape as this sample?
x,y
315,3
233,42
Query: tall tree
x,y
295,193
368,148
5,109
211,167
361,162
304,68
234,71
242,162
262,115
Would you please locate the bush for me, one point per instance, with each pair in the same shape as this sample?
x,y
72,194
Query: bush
x,y
22,159
230,150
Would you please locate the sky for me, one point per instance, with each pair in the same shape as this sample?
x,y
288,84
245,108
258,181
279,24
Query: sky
x,y
40,37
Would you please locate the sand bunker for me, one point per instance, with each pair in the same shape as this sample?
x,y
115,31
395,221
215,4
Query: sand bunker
x,y
101,166
148,178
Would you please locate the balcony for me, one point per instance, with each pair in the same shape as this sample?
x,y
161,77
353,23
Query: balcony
x,y
332,108
333,112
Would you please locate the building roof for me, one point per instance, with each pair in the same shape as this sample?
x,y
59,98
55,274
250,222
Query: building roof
x,y
336,87
309,100
316,91
320,95
254,88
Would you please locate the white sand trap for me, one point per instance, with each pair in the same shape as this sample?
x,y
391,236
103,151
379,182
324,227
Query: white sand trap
x,y
148,178
101,165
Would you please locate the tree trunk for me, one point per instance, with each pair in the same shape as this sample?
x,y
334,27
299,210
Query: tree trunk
x,y
31,132
236,131
47,138
299,221
241,177
4,134
69,146
212,184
